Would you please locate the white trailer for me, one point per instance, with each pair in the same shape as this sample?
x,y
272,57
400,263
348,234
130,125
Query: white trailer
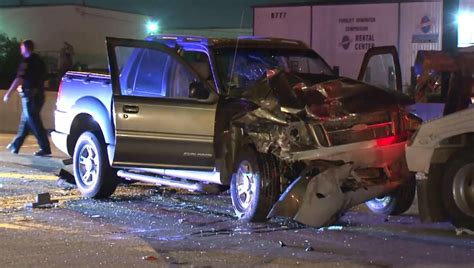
x,y
342,33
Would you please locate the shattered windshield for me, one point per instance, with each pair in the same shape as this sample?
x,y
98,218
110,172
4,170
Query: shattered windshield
x,y
251,64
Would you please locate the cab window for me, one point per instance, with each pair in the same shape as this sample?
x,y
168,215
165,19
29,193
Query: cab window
x,y
155,74
150,78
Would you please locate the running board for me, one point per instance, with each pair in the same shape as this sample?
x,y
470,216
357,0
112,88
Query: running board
x,y
194,175
191,186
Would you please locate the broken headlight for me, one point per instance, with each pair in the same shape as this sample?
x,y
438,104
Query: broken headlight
x,y
332,108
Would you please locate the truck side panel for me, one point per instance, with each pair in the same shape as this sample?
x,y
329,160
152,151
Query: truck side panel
x,y
88,95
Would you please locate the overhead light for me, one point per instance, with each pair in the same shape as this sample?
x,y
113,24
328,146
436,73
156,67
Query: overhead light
x,y
152,27
465,20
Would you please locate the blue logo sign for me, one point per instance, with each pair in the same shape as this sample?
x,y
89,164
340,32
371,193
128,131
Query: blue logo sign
x,y
425,24
346,42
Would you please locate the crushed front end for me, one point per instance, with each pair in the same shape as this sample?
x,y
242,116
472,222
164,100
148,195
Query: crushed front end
x,y
339,142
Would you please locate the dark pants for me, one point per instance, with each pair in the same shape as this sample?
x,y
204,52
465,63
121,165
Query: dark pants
x,y
31,121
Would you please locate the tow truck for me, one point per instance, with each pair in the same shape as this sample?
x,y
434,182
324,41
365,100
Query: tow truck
x,y
442,150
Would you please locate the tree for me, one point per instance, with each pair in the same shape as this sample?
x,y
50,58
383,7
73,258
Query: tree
x,y
10,57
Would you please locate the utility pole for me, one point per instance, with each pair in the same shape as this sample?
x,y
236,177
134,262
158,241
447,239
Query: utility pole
x,y
450,26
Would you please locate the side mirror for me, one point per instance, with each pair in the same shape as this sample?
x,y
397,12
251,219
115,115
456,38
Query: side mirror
x,y
335,69
197,90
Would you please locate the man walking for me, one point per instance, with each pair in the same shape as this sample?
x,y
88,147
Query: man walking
x,y
29,83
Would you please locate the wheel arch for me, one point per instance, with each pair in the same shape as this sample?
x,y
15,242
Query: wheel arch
x,y
82,123
449,147
90,114
430,203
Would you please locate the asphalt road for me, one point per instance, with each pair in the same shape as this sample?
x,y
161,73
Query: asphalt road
x,y
143,225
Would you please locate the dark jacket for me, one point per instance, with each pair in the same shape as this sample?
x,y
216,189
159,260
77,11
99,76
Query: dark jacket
x,y
33,72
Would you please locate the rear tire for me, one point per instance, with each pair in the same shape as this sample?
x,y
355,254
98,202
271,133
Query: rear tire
x,y
458,189
397,202
92,172
255,185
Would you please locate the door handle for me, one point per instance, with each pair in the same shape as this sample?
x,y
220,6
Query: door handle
x,y
131,109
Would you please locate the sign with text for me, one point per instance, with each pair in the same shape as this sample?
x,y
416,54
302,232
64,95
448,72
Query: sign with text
x,y
343,33
359,28
284,22
355,33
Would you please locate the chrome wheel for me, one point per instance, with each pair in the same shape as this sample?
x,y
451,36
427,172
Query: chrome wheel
x,y
463,189
246,180
88,165
379,203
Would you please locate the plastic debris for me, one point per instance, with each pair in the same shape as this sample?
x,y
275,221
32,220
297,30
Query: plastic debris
x,y
461,231
331,228
43,200
67,161
23,219
66,176
64,185
149,258
307,248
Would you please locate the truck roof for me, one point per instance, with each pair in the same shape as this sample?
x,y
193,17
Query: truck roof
x,y
243,41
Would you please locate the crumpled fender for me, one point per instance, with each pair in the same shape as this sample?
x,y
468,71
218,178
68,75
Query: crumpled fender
x,y
315,201
318,201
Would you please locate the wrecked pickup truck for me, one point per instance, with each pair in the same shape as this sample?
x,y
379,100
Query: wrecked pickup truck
x,y
267,117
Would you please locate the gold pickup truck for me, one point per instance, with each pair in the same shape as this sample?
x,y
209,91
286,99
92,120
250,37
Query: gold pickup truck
x,y
267,117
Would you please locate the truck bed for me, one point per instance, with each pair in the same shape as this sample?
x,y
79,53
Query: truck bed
x,y
79,85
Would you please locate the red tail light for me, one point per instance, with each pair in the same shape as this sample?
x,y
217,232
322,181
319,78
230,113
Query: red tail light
x,y
386,141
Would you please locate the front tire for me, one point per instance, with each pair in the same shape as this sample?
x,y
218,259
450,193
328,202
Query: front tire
x,y
92,172
396,202
255,185
458,189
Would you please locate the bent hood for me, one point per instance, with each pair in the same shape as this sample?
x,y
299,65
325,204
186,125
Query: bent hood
x,y
353,96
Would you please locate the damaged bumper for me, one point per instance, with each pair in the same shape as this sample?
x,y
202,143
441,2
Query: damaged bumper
x,y
372,168
374,153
